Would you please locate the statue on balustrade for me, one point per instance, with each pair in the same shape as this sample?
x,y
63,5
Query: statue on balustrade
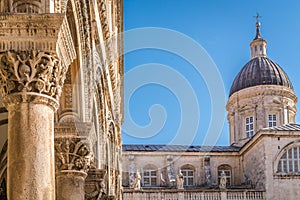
x,y
223,180
137,181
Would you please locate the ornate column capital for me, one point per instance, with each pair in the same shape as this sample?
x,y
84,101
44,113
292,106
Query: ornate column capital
x,y
72,155
30,76
35,52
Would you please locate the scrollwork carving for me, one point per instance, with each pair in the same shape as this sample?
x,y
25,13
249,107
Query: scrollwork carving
x,y
72,153
31,71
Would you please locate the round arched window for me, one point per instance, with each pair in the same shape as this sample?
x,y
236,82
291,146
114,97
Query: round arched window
x,y
289,162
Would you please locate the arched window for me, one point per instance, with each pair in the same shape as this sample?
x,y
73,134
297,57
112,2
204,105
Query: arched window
x,y
227,170
188,175
290,161
149,176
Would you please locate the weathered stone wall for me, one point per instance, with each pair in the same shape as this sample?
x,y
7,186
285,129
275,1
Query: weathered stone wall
x,y
133,161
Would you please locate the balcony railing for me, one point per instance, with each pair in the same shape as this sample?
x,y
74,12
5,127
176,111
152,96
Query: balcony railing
x,y
169,194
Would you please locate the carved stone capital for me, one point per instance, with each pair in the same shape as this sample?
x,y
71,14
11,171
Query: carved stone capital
x,y
72,154
24,75
95,188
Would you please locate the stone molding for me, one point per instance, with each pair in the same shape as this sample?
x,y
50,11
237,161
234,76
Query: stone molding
x,y
72,129
72,154
31,31
261,90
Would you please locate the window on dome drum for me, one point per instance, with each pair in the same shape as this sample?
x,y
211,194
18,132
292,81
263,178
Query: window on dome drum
x,y
188,176
272,120
149,177
260,49
249,127
227,171
290,161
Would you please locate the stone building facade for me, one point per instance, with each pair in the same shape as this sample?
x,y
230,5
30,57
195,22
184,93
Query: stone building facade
x,y
262,162
61,72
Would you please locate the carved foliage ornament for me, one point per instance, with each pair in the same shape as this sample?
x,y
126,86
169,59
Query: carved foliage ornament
x,y
31,71
72,154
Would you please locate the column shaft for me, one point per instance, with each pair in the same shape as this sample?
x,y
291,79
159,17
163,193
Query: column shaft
x,y
30,152
70,185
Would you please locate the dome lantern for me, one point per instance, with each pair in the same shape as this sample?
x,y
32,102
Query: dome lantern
x,y
258,46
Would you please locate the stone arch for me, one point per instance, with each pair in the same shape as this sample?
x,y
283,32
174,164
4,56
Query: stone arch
x,y
78,15
79,20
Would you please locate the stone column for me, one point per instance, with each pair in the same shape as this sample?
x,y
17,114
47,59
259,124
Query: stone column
x,y
30,83
72,160
31,78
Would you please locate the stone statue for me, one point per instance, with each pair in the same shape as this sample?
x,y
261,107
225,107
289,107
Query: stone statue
x,y
171,176
207,175
223,180
137,181
180,180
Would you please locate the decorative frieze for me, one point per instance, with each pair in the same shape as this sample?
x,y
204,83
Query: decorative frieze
x,y
72,129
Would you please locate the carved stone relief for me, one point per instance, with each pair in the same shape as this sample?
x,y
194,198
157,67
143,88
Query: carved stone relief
x,y
31,71
72,153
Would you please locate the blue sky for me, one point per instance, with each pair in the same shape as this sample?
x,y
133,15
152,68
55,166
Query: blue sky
x,y
224,29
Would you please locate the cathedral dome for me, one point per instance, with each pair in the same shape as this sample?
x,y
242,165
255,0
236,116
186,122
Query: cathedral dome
x,y
260,71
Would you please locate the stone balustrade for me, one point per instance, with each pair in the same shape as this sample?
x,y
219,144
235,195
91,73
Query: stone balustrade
x,y
169,194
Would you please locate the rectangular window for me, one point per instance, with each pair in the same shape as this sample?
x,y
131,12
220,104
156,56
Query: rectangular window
x,y
188,177
249,127
272,120
149,178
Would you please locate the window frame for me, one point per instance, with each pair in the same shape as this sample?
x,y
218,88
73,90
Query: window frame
x,y
287,162
249,131
152,182
187,177
271,121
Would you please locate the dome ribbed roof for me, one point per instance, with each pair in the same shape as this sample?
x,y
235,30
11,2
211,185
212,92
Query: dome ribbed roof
x,y
260,71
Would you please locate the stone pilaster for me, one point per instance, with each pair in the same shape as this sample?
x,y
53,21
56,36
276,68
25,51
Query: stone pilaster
x,y
31,77
72,161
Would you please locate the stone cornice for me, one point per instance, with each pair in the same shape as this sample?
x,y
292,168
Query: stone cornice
x,y
261,90
21,32
267,133
179,154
